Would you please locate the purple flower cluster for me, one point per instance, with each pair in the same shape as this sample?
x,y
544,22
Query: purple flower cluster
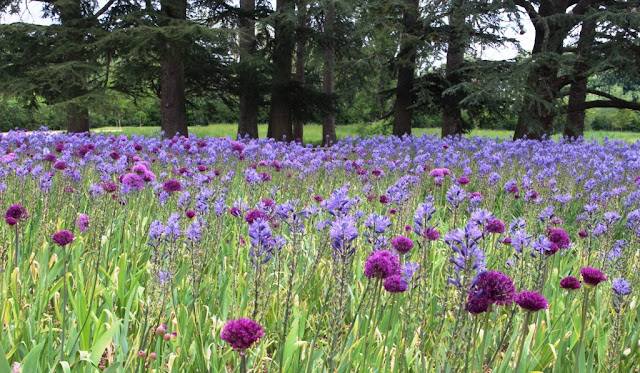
x,y
592,276
63,238
531,301
241,333
381,264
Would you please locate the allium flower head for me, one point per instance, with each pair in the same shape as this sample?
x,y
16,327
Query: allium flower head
x,y
531,301
17,212
495,286
495,226
395,284
381,264
559,237
592,276
172,185
241,333
402,244
570,283
252,215
133,180
477,304
63,238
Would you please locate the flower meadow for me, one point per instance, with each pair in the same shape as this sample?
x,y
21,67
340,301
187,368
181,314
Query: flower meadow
x,y
381,254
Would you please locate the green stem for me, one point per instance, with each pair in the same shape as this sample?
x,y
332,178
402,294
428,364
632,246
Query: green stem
x,y
484,341
524,337
584,321
243,363
64,301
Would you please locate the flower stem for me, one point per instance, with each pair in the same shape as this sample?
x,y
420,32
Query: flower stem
x,y
524,337
584,321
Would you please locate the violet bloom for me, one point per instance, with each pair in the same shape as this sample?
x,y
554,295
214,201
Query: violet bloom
x,y
495,286
395,284
559,237
570,283
495,226
463,180
63,238
592,276
190,214
381,264
252,215
17,212
82,222
582,234
402,244
621,286
531,301
172,185
242,333
133,180
477,304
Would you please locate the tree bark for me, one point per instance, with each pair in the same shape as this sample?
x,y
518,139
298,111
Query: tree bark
x,y
452,123
280,124
77,119
578,91
328,75
405,97
298,125
173,112
249,96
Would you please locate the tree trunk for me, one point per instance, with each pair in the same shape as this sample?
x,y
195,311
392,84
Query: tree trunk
x,y
77,119
173,112
405,97
328,75
249,96
280,124
452,123
298,125
578,91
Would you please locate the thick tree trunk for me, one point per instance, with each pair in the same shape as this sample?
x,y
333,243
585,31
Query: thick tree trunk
x,y
173,112
405,97
452,123
578,91
77,119
298,125
280,124
328,75
249,96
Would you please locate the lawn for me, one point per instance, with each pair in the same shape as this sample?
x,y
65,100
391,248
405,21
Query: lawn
x,y
313,133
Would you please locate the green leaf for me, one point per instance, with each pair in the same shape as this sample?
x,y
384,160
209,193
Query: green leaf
x,y
102,343
4,364
32,361
289,344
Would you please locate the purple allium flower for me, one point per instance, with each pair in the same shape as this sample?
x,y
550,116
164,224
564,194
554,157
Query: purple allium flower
x,y
495,226
17,212
432,234
384,198
60,165
592,276
531,301
190,214
172,185
109,187
477,304
133,181
395,284
402,244
495,286
63,238
381,264
463,180
50,157
506,241
436,172
10,221
621,286
82,222
582,234
252,215
559,237
570,283
241,333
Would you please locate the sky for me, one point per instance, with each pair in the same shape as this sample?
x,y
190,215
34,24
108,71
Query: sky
x,y
31,12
